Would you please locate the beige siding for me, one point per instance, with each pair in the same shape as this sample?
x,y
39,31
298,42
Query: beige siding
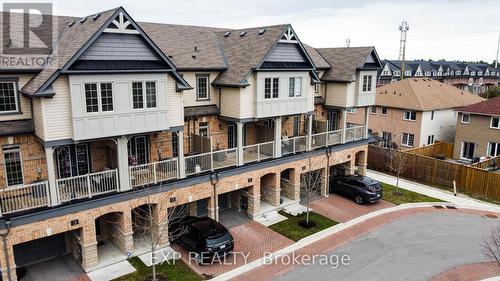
x,y
38,117
24,102
175,107
248,101
189,96
230,102
336,94
57,112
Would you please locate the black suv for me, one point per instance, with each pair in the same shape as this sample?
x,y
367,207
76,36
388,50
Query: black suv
x,y
205,239
361,189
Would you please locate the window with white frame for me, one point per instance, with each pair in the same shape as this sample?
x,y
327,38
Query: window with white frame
x,y
495,123
410,115
91,97
296,126
430,139
294,86
373,109
351,110
316,88
367,83
427,73
203,129
202,87
407,73
458,72
13,164
408,139
493,149
271,88
9,102
397,73
480,73
385,72
383,111
106,96
276,87
387,139
144,94
175,144
465,118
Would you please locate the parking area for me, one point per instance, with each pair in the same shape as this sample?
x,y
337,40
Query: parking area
x,y
251,241
342,209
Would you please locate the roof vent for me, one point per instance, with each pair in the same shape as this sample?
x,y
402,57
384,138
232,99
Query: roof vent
x,y
82,20
195,49
193,56
170,56
71,23
243,33
262,31
96,16
227,34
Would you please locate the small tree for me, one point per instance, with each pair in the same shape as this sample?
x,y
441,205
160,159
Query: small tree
x,y
152,221
491,245
396,159
310,186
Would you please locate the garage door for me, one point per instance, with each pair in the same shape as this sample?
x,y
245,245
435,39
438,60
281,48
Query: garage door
x,y
40,249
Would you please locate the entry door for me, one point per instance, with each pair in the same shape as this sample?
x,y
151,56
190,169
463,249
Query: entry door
x,y
468,150
138,150
72,160
333,120
224,201
231,136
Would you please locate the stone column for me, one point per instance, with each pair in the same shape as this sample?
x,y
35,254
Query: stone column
x,y
181,161
277,137
270,189
367,116
324,182
309,131
123,169
88,243
362,165
344,124
239,144
253,200
213,210
51,173
295,181
11,262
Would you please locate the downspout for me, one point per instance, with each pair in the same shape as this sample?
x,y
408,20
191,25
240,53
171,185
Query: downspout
x,y
6,253
328,154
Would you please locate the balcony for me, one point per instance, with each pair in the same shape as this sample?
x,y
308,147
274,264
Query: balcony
x,y
153,173
87,186
24,197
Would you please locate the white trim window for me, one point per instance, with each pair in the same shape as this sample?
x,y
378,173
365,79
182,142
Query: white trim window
x,y
271,88
465,118
316,88
430,139
373,109
495,122
468,149
13,165
407,139
383,111
367,83
203,129
98,97
294,87
410,115
351,110
493,149
202,87
144,94
9,102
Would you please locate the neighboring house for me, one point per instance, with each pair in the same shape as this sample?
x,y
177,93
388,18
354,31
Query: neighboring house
x,y
478,130
415,111
170,110
473,77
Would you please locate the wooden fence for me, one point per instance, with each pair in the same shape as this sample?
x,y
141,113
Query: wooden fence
x,y
439,149
489,164
439,173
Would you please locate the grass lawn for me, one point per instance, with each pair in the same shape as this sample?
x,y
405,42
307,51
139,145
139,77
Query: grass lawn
x,y
178,271
291,229
406,196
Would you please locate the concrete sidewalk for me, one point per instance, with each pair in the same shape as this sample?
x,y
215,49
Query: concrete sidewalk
x,y
460,199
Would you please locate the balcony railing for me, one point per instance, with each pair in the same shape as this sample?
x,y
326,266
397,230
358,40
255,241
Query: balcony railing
x,y
24,197
87,186
153,173
258,152
354,133
211,161
293,145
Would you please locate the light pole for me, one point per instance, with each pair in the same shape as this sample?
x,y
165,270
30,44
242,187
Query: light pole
x,y
214,179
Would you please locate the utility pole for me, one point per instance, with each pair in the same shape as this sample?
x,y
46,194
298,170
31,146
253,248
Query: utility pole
x,y
404,27
498,48
348,42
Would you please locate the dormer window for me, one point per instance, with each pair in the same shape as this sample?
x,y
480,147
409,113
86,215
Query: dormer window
x,y
458,72
202,87
473,73
397,73
367,83
480,73
295,86
9,98
408,73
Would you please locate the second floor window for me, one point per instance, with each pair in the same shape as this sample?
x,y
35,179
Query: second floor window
x,y
493,149
202,87
465,118
13,165
408,139
91,97
107,97
203,129
410,115
351,110
144,94
367,83
383,111
373,109
316,88
8,97
175,144
271,88
294,86
495,122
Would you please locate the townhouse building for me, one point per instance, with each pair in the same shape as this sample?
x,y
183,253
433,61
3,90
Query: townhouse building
x,y
476,78
478,131
130,113
414,112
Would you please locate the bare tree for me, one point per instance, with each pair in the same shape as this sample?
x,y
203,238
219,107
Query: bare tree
x,y
310,186
491,245
151,221
396,159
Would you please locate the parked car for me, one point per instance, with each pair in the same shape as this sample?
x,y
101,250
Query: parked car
x,y
205,239
361,189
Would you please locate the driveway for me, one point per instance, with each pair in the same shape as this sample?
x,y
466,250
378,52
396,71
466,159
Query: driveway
x,y
342,209
57,269
416,247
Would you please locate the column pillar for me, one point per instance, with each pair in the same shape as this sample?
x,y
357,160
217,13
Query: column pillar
x,y
324,183
88,243
295,181
309,131
181,173
213,210
367,115
254,200
123,169
239,144
51,173
344,124
11,262
277,137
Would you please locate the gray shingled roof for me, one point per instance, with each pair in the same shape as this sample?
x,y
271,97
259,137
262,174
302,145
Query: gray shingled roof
x,y
344,62
316,57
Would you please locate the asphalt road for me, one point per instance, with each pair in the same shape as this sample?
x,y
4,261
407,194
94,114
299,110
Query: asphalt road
x,y
413,248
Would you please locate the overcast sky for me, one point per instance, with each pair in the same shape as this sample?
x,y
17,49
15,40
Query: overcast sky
x,y
448,29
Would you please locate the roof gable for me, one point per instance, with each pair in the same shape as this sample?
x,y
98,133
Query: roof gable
x,y
346,61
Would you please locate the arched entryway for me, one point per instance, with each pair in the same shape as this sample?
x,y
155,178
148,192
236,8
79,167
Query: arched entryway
x,y
360,163
114,238
290,187
270,189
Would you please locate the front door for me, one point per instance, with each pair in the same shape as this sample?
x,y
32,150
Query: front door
x,y
468,150
333,120
72,160
138,150
231,136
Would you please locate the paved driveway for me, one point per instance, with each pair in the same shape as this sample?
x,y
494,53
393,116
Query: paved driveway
x,y
342,209
417,247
